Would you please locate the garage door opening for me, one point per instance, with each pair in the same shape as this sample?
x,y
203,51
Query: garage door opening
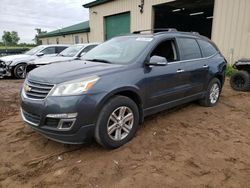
x,y
186,15
117,25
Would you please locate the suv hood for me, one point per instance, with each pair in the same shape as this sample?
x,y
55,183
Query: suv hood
x,y
48,60
62,72
9,58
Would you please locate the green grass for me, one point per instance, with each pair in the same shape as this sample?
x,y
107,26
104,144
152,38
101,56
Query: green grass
x,y
229,71
14,47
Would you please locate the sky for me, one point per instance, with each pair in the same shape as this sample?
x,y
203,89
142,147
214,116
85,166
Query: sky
x,y
24,16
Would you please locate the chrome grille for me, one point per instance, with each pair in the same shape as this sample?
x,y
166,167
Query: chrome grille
x,y
37,90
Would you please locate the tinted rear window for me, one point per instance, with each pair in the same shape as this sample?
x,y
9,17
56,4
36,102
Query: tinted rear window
x,y
207,48
189,49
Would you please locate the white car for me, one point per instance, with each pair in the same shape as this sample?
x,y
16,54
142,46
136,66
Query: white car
x,y
71,53
15,65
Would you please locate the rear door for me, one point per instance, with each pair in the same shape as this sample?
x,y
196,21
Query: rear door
x,y
194,66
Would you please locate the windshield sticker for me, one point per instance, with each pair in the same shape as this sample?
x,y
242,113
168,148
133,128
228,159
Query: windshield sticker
x,y
144,39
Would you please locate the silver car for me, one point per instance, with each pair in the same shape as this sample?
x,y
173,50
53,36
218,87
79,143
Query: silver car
x,y
15,65
72,53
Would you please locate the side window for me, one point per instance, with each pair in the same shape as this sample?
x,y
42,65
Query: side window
x,y
166,49
60,49
189,49
88,48
49,50
207,48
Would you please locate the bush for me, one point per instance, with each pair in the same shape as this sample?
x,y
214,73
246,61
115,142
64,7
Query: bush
x,y
230,70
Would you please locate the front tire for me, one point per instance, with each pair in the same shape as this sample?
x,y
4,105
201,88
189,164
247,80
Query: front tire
x,y
117,123
240,81
20,71
212,94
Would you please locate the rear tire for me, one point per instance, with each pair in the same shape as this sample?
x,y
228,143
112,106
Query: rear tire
x,y
212,94
20,71
240,81
117,123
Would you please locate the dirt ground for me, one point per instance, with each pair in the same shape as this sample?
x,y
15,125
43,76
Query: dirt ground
x,y
190,146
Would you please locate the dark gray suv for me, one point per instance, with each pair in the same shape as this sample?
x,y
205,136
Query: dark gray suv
x,y
108,94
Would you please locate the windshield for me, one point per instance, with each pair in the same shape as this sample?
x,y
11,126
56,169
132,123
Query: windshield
x,y
120,50
71,51
33,51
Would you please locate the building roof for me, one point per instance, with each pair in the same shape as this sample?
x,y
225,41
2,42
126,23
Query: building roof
x,y
82,27
95,3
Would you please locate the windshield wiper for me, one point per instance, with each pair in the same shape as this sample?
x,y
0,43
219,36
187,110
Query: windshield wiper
x,y
99,60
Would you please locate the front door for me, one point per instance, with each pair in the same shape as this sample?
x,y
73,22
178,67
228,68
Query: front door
x,y
164,84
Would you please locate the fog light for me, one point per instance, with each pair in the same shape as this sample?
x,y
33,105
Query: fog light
x,y
66,124
60,116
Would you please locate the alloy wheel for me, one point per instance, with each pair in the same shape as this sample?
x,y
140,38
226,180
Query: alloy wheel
x,y
214,93
120,123
20,71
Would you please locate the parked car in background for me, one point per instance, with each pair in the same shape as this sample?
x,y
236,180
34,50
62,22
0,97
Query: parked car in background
x,y
15,65
108,94
240,80
71,53
2,69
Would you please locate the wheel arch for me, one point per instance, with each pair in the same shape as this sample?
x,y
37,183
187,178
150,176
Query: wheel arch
x,y
14,64
221,78
243,67
130,92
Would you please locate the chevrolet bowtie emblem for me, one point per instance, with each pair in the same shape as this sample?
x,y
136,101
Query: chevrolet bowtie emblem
x,y
27,88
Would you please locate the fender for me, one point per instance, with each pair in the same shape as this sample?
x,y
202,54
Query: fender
x,y
133,89
15,63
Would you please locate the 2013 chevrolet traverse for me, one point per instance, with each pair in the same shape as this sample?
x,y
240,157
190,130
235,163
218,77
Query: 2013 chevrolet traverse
x,y
108,94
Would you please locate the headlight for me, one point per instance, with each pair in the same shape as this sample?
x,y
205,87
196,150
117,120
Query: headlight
x,y
75,87
8,62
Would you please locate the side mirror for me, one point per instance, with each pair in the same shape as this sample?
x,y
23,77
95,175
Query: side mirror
x,y
157,61
39,54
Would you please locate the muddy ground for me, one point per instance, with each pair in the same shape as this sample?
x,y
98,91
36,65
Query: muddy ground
x,y
190,146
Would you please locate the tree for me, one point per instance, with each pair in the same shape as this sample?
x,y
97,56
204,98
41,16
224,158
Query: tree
x,y
10,38
7,37
15,38
39,32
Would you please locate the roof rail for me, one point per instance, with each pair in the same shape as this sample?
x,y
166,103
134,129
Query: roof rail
x,y
195,32
158,29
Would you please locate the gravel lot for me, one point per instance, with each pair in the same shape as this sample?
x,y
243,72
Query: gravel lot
x,y
190,146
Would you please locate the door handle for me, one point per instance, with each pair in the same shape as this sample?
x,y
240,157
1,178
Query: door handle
x,y
205,66
180,70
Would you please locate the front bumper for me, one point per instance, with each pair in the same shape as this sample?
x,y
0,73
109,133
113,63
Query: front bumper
x,y
2,72
35,114
82,135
